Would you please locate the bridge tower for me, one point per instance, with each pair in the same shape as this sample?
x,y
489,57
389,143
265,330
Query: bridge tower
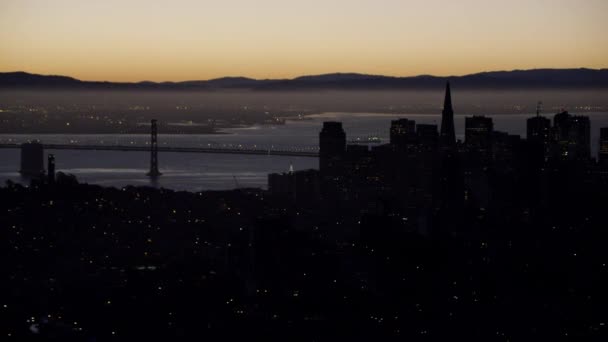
x,y
153,150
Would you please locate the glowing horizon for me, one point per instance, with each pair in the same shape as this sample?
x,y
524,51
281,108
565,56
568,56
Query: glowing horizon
x,y
137,40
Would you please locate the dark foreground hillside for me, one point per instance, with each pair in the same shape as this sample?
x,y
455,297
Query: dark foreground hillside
x,y
86,263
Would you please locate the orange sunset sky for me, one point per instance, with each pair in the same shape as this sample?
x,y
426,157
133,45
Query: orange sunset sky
x,y
134,40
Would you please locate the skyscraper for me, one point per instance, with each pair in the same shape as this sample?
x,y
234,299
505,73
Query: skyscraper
x,y
32,159
538,128
403,131
332,150
572,134
332,146
478,133
427,135
449,181
561,126
580,134
447,138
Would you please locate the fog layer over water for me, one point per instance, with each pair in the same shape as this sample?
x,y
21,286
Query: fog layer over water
x,y
170,105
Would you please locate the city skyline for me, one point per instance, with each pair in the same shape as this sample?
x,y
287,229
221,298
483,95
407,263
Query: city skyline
x,y
185,40
419,235
324,170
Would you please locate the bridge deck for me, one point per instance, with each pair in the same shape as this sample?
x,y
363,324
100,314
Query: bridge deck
x,y
271,152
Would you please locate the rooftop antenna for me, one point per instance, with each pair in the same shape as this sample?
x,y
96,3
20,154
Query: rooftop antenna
x,y
539,107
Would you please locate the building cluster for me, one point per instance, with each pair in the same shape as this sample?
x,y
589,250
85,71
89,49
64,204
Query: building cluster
x,y
424,168
569,138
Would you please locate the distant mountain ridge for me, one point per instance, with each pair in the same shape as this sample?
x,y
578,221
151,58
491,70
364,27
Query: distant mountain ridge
x,y
515,79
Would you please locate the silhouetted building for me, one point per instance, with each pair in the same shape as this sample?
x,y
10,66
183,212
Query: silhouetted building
x,y
447,138
478,133
603,153
332,146
361,172
580,135
427,135
449,194
402,133
32,159
538,128
561,126
332,150
538,132
572,134
477,156
504,146
51,169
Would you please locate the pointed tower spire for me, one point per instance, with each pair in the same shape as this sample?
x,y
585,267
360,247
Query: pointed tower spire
x,y
447,102
448,135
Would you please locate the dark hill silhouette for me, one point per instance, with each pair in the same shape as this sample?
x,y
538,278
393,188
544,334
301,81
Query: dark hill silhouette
x,y
516,79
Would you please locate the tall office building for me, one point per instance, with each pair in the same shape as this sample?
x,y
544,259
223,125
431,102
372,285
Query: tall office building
x,y
580,134
332,151
572,134
32,159
332,146
447,139
538,128
427,135
538,135
403,132
449,188
561,126
478,133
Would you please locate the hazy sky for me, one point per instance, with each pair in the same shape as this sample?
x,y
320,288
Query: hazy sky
x,y
131,40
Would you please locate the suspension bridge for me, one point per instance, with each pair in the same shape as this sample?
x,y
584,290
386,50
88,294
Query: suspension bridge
x,y
153,148
209,149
